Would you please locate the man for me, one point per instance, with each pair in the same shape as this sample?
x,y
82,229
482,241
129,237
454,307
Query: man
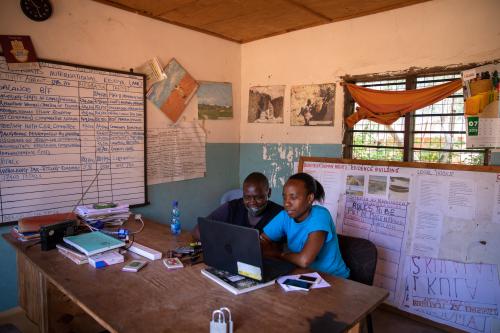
x,y
254,210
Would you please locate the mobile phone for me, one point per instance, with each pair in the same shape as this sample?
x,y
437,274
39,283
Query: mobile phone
x,y
134,265
298,284
308,278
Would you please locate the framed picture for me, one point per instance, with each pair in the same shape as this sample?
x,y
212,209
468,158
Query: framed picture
x,y
171,95
312,105
215,100
265,104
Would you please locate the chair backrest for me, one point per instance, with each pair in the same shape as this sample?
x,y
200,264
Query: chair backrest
x,y
360,255
231,195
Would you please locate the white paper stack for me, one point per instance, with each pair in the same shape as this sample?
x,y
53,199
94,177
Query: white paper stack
x,y
110,216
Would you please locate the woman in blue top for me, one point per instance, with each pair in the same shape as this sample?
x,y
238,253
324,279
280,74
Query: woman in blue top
x,y
309,229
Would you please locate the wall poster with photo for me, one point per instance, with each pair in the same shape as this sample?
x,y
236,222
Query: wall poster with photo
x,y
215,100
265,104
172,94
312,105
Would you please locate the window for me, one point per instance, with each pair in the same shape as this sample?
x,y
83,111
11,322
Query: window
x,y
434,134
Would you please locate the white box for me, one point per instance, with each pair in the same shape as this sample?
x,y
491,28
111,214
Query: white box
x,y
105,259
145,251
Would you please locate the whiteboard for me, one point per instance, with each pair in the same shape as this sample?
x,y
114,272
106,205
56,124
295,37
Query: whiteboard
x,y
66,132
436,228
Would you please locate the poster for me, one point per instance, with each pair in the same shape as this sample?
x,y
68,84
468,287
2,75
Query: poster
x,y
312,105
481,87
172,94
265,104
461,295
215,100
19,52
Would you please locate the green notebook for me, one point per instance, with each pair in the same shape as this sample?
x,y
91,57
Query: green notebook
x,y
93,242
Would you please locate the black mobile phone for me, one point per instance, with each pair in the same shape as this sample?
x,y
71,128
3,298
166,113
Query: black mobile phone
x,y
307,278
298,284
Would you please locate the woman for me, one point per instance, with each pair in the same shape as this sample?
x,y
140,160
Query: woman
x,y
308,229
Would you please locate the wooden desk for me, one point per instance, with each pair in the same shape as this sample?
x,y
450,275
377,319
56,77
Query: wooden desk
x,y
159,300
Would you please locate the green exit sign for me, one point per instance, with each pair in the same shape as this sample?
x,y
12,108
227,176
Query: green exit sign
x,y
472,126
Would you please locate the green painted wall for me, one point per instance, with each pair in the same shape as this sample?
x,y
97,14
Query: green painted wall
x,y
227,166
197,197
8,273
276,160
495,159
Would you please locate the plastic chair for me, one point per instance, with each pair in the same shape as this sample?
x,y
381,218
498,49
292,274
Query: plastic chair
x,y
231,195
360,255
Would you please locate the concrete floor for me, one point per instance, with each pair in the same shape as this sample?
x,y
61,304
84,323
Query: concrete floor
x,y
388,322
383,322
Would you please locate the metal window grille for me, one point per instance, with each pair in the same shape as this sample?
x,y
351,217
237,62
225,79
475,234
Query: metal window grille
x,y
434,134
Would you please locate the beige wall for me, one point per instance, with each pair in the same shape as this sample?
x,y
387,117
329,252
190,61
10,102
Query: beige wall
x,y
435,33
86,32
439,32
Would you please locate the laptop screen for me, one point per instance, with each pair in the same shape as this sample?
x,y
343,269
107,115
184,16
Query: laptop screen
x,y
231,248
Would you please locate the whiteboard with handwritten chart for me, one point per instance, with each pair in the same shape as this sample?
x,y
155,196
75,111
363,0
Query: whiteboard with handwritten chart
x,y
67,132
436,228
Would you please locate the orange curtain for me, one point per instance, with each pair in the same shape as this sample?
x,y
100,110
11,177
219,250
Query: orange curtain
x,y
385,107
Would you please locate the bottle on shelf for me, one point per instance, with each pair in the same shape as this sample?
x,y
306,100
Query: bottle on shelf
x,y
175,221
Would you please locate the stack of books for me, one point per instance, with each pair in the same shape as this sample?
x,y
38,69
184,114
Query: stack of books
x,y
105,214
24,236
72,253
95,248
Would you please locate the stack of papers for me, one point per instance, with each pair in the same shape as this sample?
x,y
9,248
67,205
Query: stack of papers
x,y
108,216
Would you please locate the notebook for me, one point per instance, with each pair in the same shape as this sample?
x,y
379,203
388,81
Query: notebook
x,y
93,242
236,249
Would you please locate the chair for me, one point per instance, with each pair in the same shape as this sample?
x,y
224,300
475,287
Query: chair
x,y
231,195
9,328
360,255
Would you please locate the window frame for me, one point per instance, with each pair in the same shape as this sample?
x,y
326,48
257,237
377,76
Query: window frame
x,y
410,78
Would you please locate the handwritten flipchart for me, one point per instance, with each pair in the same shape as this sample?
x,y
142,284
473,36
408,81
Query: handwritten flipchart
x,y
384,223
426,223
448,291
63,127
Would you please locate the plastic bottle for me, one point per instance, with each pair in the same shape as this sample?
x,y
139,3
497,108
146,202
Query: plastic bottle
x,y
175,222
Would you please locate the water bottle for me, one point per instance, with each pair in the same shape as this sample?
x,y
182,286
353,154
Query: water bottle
x,y
175,222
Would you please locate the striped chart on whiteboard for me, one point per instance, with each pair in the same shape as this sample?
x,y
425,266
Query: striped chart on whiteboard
x,y
66,130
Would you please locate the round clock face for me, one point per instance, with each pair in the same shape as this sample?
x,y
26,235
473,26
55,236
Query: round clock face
x,y
37,10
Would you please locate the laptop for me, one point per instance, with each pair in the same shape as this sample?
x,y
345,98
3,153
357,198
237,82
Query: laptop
x,y
236,249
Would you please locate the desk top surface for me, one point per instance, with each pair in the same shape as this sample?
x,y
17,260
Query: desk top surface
x,y
160,300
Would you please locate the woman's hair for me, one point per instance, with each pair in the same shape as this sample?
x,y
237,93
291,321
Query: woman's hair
x,y
311,184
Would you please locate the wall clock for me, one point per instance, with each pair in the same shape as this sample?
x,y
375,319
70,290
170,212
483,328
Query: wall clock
x,y
37,10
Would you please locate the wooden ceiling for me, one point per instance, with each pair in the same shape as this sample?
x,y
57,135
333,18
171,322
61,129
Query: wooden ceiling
x,y
243,21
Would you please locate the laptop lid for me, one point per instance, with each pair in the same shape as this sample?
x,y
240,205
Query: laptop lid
x,y
231,248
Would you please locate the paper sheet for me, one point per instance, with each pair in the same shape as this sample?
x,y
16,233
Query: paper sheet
x,y
453,293
427,232
496,202
461,198
176,152
383,222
